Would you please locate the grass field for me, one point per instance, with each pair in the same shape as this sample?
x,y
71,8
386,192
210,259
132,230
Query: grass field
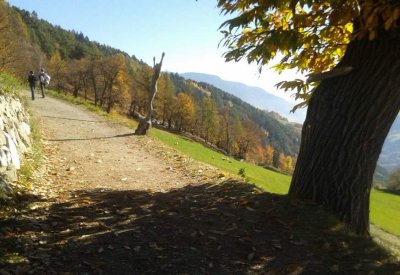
x,y
385,208
385,211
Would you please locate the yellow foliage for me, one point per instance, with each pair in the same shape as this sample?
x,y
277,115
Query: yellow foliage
x,y
269,154
311,35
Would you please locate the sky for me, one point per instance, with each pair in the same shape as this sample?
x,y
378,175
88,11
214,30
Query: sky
x,y
186,30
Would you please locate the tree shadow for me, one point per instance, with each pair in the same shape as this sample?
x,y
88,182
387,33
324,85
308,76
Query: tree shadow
x,y
76,119
228,228
91,138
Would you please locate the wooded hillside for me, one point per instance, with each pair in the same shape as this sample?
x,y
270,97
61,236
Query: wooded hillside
x,y
117,81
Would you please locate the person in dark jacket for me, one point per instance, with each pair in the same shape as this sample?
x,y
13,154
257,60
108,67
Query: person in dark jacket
x,y
32,83
42,81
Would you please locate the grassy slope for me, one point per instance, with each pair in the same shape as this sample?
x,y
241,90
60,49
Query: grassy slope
x,y
385,211
385,208
268,180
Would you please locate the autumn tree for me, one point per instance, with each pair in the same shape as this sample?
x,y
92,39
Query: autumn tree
x,y
225,124
76,73
118,86
58,69
165,97
249,140
288,164
281,161
84,77
139,94
209,119
184,111
275,159
109,80
16,53
6,47
350,50
394,180
236,132
268,155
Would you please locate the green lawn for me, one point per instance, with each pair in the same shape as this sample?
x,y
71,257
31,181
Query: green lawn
x,y
385,211
268,180
385,208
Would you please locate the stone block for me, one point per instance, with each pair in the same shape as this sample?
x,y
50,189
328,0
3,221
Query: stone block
x,y
3,139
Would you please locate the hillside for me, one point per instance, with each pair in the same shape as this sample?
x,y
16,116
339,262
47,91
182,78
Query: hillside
x,y
70,56
389,158
390,155
85,68
281,135
252,95
381,174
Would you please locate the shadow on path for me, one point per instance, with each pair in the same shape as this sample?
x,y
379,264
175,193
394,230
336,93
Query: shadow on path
x,y
91,138
76,119
229,228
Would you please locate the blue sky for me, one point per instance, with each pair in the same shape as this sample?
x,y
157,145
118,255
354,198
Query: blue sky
x,y
186,30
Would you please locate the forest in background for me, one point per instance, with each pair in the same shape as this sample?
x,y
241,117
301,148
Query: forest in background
x,y
116,81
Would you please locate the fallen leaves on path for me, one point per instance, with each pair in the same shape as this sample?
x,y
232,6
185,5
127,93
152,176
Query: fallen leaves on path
x,y
182,217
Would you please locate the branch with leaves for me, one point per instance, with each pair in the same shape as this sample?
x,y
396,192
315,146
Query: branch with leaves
x,y
312,36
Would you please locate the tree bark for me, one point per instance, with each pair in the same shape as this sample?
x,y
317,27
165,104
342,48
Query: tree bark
x,y
145,123
347,121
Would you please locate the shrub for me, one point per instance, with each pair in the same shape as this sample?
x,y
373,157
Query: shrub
x,y
394,180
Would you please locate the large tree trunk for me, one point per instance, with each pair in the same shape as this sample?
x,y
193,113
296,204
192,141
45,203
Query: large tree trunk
x,y
145,123
347,121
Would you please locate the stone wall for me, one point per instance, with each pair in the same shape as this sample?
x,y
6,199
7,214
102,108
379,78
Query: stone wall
x,y
14,140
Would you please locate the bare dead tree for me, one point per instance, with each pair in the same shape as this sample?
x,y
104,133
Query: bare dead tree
x,y
145,123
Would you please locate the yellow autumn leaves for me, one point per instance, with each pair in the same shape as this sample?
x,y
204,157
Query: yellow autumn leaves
x,y
311,36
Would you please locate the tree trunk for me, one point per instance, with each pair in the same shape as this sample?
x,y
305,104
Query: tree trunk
x,y
170,123
94,85
347,121
164,113
145,124
76,89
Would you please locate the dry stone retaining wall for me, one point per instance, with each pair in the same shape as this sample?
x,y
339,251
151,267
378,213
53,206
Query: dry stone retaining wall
x,y
14,140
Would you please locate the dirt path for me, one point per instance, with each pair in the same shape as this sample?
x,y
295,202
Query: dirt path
x,y
109,202
92,152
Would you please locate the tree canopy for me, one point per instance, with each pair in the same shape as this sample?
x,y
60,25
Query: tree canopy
x,y
307,35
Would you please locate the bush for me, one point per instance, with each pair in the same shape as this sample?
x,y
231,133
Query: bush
x,y
394,180
9,85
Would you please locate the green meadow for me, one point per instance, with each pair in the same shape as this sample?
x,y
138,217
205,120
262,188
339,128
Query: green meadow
x,y
385,208
385,211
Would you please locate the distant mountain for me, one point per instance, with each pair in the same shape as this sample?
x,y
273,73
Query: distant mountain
x,y
381,175
390,155
253,95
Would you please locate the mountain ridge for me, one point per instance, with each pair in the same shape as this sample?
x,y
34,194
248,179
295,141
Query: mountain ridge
x,y
253,95
390,154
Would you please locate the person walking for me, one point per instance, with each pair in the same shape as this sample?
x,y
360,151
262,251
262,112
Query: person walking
x,y
32,83
42,81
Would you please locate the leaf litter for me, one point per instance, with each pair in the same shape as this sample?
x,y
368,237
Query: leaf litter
x,y
208,223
